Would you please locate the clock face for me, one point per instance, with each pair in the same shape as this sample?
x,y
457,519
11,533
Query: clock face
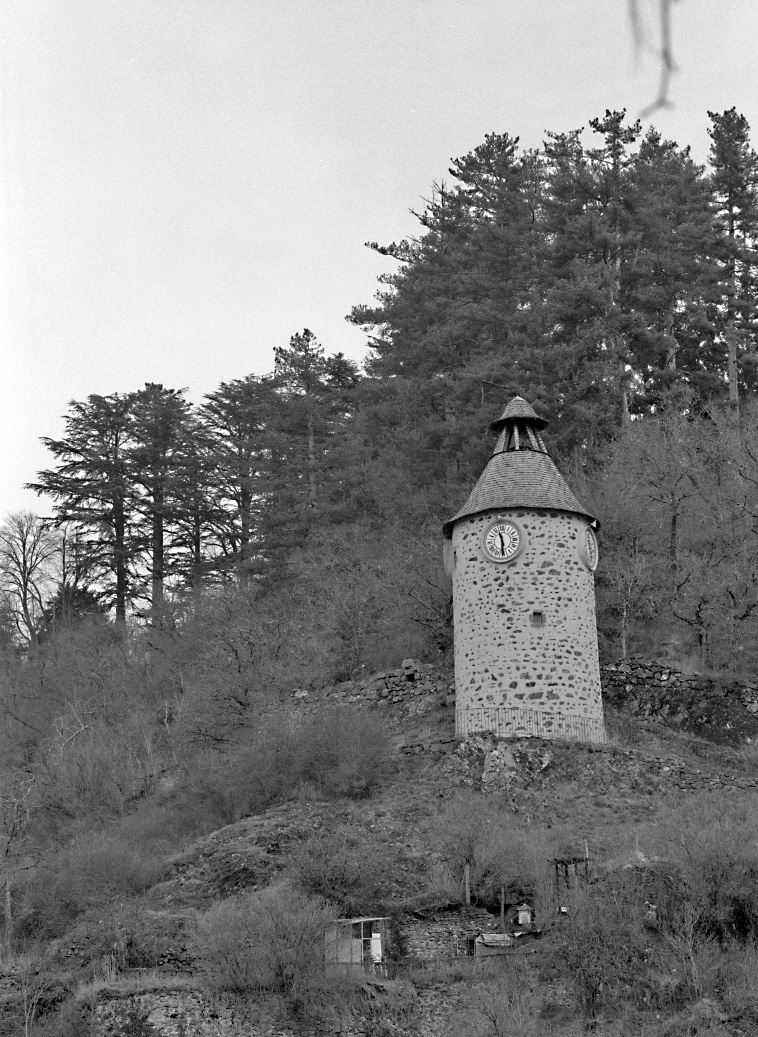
x,y
588,544
502,541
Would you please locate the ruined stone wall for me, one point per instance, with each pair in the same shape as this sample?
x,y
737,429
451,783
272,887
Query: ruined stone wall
x,y
717,707
513,675
446,935
413,685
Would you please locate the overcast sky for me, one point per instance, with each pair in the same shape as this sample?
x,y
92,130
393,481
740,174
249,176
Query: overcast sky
x,y
187,183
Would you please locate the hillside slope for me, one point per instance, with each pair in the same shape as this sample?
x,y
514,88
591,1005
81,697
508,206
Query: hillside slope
x,y
139,971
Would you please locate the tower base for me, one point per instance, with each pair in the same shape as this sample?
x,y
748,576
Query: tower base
x,y
507,722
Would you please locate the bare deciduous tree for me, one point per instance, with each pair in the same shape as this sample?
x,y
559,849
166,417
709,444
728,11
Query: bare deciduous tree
x,y
28,554
16,796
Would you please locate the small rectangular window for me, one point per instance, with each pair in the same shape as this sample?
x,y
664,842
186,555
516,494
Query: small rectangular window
x,y
537,619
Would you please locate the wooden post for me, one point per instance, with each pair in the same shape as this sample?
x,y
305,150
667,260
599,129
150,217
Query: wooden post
x,y
8,918
502,909
467,879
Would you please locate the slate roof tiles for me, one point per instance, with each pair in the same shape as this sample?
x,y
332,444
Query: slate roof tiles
x,y
521,478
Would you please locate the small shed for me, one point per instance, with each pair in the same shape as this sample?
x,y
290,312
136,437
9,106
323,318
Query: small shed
x,y
524,915
488,945
357,942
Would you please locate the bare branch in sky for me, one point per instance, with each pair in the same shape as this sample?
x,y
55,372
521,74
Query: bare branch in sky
x,y
642,41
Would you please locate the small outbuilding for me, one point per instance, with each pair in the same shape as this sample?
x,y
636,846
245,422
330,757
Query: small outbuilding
x,y
357,942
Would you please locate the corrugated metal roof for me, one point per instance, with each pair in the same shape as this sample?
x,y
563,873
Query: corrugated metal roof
x,y
519,479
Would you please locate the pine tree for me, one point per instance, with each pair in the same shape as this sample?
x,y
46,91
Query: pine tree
x,y
587,309
316,393
672,277
735,189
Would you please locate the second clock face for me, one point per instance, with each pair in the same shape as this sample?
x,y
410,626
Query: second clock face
x,y
588,548
502,541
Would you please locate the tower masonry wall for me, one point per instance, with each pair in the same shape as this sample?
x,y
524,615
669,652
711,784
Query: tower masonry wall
x,y
526,659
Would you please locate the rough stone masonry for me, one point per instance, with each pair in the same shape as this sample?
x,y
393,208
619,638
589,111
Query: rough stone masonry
x,y
521,556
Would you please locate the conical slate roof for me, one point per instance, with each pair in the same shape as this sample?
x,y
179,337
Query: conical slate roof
x,y
520,474
519,408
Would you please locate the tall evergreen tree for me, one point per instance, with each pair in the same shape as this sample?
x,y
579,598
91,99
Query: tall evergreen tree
x,y
194,537
587,309
315,389
453,328
672,276
157,456
92,492
239,422
735,188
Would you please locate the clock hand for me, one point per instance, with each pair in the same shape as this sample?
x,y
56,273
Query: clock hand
x,y
502,542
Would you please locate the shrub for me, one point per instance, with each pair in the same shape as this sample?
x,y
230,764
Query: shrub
x,y
342,869
603,952
505,1005
716,849
737,980
94,870
483,833
93,767
338,752
343,751
271,941
164,826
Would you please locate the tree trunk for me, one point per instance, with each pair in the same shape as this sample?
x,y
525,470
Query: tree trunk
x,y
674,543
626,420
246,517
197,545
158,563
311,460
731,329
734,398
624,629
8,918
119,551
705,655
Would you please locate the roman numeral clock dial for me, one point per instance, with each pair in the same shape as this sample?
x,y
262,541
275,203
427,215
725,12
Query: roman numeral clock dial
x,y
502,541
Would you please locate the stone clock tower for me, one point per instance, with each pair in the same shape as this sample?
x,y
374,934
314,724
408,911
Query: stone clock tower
x,y
521,553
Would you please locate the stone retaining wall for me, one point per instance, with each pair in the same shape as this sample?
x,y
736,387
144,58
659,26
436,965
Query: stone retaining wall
x,y
192,1013
169,1013
720,708
636,670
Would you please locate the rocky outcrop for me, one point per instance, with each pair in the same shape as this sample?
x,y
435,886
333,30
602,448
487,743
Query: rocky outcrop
x,y
492,764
